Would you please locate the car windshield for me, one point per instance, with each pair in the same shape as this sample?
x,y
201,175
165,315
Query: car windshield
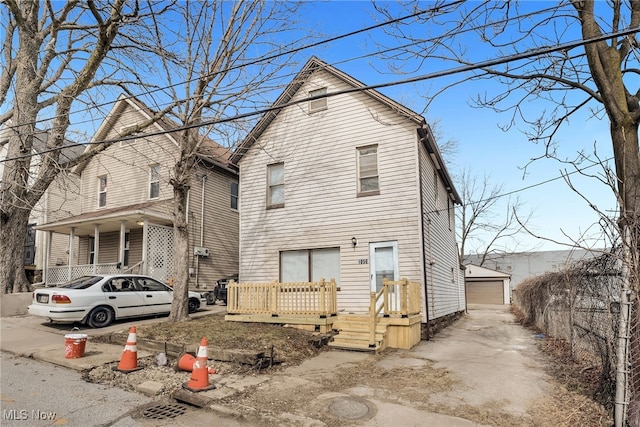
x,y
81,282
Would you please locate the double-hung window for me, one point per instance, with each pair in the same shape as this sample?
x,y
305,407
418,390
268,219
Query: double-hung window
x,y
154,181
102,191
367,159
275,185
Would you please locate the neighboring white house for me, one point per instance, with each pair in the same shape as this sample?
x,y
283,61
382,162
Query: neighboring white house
x,y
524,265
486,286
350,186
125,222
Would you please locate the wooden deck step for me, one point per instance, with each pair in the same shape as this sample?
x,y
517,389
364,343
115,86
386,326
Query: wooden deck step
x,y
353,334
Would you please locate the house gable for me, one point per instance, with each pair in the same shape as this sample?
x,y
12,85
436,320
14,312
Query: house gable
x,y
128,168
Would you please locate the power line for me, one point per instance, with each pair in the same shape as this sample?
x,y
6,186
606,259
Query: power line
x,y
274,56
329,40
472,67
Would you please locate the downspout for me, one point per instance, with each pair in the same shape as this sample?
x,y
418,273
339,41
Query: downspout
x,y
204,180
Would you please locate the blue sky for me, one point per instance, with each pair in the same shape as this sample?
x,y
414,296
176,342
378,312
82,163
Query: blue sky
x,y
482,145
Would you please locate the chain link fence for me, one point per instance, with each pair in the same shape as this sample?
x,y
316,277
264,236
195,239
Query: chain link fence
x,y
580,305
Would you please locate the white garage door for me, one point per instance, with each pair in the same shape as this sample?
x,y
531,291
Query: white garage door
x,y
485,292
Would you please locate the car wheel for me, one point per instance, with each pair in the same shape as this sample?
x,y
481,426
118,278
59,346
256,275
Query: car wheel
x,y
100,317
211,298
194,305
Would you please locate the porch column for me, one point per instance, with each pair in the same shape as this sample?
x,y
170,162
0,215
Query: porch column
x,y
122,243
47,257
72,236
145,241
96,246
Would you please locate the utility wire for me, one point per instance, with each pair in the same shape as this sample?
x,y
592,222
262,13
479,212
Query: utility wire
x,y
329,40
288,52
443,73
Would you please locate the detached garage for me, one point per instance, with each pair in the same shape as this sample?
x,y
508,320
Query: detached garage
x,y
485,286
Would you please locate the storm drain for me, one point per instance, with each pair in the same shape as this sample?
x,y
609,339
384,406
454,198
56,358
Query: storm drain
x,y
164,410
352,408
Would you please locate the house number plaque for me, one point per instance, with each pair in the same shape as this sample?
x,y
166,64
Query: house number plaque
x,y
363,261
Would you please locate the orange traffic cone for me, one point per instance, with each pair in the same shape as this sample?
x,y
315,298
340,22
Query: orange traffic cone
x,y
199,372
129,359
186,361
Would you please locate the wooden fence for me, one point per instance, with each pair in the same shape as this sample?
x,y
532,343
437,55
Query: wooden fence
x,y
274,298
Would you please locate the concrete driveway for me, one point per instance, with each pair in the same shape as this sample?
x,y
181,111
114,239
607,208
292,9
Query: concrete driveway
x,y
496,358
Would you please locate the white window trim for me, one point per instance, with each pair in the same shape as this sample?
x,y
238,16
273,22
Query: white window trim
x,y
152,181
318,104
271,205
101,191
361,192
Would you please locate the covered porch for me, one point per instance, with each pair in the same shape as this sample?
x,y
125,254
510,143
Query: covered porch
x,y
134,239
393,319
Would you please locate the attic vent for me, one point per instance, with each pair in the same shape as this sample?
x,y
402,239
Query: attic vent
x,y
317,104
127,130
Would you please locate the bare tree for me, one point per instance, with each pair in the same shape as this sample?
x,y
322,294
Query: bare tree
x,y
214,67
599,73
483,225
56,57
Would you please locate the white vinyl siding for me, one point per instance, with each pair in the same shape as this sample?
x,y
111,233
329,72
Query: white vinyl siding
x,y
317,104
321,181
220,227
441,258
127,167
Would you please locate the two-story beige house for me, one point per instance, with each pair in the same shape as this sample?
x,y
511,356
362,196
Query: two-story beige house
x,y
124,219
349,185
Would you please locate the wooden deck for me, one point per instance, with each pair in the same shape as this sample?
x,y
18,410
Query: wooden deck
x,y
393,320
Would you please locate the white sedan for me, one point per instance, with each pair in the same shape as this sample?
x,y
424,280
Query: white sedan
x,y
98,300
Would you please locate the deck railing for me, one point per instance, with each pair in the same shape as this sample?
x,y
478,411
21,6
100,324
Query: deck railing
x,y
59,275
274,298
395,298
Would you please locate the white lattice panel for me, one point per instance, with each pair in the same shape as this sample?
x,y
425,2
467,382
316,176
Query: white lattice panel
x,y
160,252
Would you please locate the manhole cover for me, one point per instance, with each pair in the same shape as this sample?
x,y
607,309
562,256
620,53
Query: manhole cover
x,y
351,408
164,410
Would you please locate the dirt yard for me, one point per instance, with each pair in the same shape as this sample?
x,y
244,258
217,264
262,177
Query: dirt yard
x,y
570,402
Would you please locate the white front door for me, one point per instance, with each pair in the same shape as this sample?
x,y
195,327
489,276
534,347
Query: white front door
x,y
383,263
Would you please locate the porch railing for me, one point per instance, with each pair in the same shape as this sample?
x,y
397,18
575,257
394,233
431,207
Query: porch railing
x,y
395,298
59,275
274,298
